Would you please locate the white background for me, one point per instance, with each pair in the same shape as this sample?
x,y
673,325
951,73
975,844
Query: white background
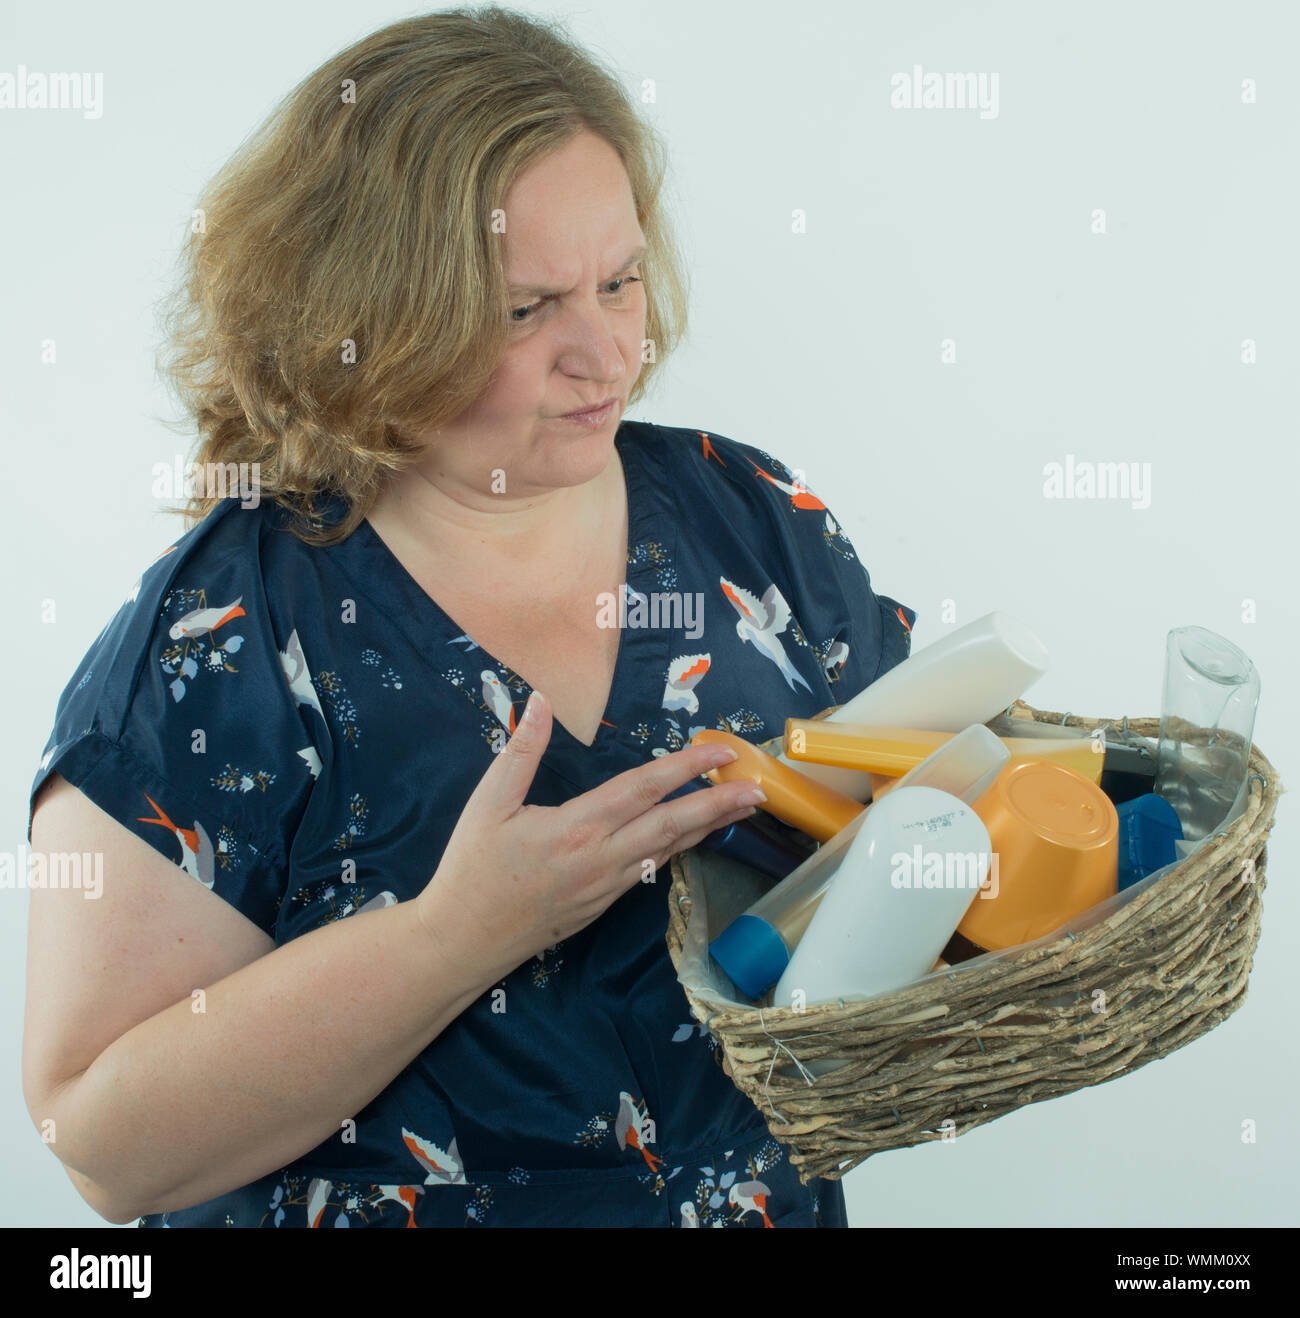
x,y
824,349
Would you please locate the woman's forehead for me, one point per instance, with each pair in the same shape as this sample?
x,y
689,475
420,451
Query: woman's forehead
x,y
612,265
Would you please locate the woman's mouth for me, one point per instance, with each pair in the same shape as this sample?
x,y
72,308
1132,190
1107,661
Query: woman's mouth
x,y
595,416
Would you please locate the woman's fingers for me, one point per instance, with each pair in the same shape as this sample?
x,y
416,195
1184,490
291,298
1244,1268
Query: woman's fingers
x,y
673,826
605,810
695,836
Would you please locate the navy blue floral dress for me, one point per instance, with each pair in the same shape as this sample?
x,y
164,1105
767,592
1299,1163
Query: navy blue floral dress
x,y
346,718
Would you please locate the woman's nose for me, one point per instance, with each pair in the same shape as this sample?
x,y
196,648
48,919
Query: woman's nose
x,y
589,333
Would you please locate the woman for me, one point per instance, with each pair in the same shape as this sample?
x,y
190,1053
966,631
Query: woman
x,y
436,989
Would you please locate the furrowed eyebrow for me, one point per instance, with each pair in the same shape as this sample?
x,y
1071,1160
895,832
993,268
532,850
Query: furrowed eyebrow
x,y
526,290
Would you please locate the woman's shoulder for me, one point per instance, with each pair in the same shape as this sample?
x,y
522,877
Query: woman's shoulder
x,y
182,713
210,592
703,474
682,449
712,475
726,487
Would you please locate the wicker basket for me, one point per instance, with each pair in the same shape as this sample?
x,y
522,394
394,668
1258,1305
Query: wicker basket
x,y
961,1048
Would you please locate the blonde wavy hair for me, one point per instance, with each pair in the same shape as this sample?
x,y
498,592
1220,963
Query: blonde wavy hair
x,y
360,213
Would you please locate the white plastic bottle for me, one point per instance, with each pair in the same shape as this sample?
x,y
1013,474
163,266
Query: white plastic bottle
x,y
754,950
904,885
968,677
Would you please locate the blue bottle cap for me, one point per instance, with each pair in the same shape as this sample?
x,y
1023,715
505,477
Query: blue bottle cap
x,y
1148,828
752,953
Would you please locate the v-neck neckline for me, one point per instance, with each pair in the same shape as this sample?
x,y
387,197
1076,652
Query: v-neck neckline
x,y
564,745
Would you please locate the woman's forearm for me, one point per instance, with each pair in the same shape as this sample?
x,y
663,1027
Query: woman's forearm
x,y
191,1104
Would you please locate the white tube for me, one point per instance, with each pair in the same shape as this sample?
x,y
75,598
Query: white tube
x,y
968,677
900,891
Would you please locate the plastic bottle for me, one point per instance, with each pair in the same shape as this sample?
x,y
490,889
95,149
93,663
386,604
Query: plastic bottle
x,y
914,867
761,848
1149,831
893,751
792,797
967,677
755,948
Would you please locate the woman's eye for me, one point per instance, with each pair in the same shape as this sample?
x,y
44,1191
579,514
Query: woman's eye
x,y
617,285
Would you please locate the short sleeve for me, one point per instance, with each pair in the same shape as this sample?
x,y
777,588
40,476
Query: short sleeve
x,y
180,723
861,633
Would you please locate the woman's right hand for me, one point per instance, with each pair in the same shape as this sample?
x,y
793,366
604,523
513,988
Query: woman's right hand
x,y
515,879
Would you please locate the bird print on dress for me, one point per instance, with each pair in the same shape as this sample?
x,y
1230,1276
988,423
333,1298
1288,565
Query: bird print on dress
x,y
750,1197
327,1203
196,847
401,1194
761,622
318,1195
494,694
729,1196
349,1201
298,675
441,1168
193,639
836,657
632,1129
708,450
201,621
497,699
800,495
633,1132
308,690
802,499
720,1198
684,675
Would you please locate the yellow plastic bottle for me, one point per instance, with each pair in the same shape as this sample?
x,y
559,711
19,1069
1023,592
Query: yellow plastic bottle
x,y
894,751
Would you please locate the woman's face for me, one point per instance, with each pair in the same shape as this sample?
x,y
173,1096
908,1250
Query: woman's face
x,y
571,251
